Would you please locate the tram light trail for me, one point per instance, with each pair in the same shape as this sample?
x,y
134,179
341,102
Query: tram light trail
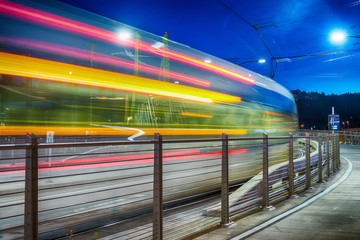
x,y
116,161
42,130
102,58
278,114
204,65
18,65
196,115
55,21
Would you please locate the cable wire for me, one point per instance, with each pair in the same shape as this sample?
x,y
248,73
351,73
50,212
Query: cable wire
x,y
273,59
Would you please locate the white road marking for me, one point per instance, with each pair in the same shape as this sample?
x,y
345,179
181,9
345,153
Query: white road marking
x,y
131,138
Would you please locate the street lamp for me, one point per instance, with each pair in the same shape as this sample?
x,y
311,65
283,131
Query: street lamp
x,y
259,61
340,36
124,35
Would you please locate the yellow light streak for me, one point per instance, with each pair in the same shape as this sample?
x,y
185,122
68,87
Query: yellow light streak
x,y
24,66
196,115
42,130
107,98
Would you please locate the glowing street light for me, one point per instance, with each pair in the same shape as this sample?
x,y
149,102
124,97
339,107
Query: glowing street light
x,y
339,37
124,35
259,61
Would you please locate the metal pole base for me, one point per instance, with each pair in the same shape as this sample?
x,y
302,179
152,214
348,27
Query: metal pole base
x,y
295,196
269,208
229,225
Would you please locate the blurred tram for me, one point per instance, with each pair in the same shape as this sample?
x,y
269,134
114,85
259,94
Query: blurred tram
x,y
71,72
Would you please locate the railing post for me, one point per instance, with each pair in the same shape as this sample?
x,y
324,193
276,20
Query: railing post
x,y
157,190
265,182
333,164
338,151
291,165
31,189
307,161
327,155
225,181
350,141
320,160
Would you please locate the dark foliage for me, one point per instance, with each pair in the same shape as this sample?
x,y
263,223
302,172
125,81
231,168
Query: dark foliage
x,y
314,108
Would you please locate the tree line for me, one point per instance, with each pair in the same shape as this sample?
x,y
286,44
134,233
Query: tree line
x,y
314,108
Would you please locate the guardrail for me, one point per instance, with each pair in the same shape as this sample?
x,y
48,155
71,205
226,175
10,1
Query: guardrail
x,y
71,188
345,137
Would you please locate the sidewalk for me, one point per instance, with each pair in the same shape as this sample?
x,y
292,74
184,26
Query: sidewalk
x,y
329,210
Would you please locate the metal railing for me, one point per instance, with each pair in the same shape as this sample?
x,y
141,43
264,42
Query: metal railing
x,y
345,136
153,189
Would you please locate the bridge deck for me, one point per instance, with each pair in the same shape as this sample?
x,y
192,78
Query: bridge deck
x,y
327,211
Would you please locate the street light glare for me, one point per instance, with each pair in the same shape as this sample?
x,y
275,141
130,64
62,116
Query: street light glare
x,y
124,35
262,61
338,37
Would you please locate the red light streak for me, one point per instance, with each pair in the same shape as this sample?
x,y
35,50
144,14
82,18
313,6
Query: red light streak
x,y
98,57
125,160
203,65
44,18
102,159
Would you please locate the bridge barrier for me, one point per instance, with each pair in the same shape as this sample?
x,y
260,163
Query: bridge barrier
x,y
351,136
153,189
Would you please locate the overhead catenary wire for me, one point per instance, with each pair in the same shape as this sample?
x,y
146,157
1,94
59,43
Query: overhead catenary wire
x,y
256,27
350,53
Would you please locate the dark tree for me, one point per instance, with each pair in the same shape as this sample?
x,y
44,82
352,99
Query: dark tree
x,y
314,108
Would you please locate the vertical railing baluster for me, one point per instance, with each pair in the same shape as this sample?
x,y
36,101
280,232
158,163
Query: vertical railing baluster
x,y
265,183
333,153
31,189
158,189
225,181
338,151
320,160
327,156
291,165
307,161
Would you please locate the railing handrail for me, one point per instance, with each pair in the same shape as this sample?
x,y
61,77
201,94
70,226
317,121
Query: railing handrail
x,y
32,157
136,142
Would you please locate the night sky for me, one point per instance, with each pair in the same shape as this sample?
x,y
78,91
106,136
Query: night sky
x,y
295,33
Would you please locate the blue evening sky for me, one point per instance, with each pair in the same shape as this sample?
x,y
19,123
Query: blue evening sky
x,y
296,32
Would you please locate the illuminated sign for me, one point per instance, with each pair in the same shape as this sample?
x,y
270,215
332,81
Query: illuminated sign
x,y
334,122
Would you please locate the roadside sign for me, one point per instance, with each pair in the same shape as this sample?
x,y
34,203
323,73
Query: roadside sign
x,y
334,122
